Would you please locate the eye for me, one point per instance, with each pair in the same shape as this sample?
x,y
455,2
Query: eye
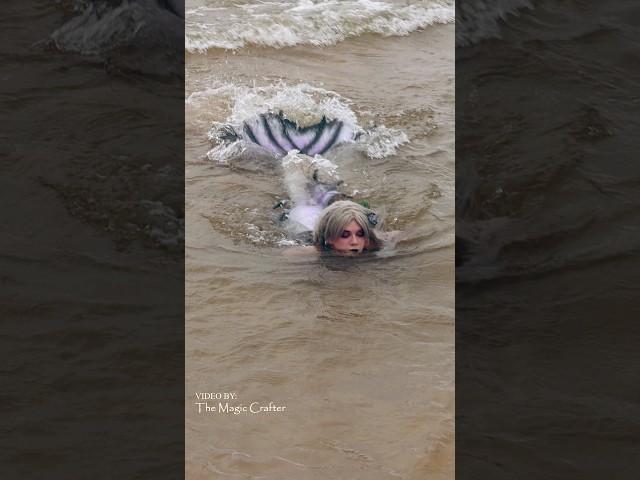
x,y
345,234
360,233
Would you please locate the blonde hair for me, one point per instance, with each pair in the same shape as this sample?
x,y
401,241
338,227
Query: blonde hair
x,y
337,216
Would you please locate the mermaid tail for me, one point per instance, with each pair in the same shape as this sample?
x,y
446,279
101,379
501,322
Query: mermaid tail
x,y
280,135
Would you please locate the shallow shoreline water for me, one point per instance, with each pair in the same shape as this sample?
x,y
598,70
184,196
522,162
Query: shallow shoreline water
x,y
360,351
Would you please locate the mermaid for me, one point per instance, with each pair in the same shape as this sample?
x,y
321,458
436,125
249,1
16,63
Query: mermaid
x,y
328,219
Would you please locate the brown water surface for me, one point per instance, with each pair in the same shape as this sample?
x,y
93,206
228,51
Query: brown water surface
x,y
360,351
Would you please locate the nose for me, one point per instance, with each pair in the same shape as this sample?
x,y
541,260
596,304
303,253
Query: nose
x,y
353,239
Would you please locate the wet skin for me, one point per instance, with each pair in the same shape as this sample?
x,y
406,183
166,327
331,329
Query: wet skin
x,y
351,240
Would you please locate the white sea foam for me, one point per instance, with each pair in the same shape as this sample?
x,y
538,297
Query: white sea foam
x,y
223,152
298,171
380,142
303,104
307,22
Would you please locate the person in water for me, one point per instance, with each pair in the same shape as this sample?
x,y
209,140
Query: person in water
x,y
346,228
324,216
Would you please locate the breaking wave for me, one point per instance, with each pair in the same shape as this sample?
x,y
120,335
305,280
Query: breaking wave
x,y
307,22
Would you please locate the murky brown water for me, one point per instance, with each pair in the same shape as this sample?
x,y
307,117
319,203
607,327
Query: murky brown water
x,y
360,351
92,258
547,218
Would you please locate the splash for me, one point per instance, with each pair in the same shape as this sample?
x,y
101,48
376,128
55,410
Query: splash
x,y
302,104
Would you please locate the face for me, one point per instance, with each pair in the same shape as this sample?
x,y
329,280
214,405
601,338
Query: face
x,y
351,240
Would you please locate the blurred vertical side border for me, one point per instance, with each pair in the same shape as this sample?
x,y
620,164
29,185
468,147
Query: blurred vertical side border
x,y
547,239
92,244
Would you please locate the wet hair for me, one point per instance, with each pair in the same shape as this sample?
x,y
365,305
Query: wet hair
x,y
338,215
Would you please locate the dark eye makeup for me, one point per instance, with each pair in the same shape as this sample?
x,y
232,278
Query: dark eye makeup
x,y
347,233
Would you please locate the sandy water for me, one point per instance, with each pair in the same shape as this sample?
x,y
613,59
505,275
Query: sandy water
x,y
360,351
